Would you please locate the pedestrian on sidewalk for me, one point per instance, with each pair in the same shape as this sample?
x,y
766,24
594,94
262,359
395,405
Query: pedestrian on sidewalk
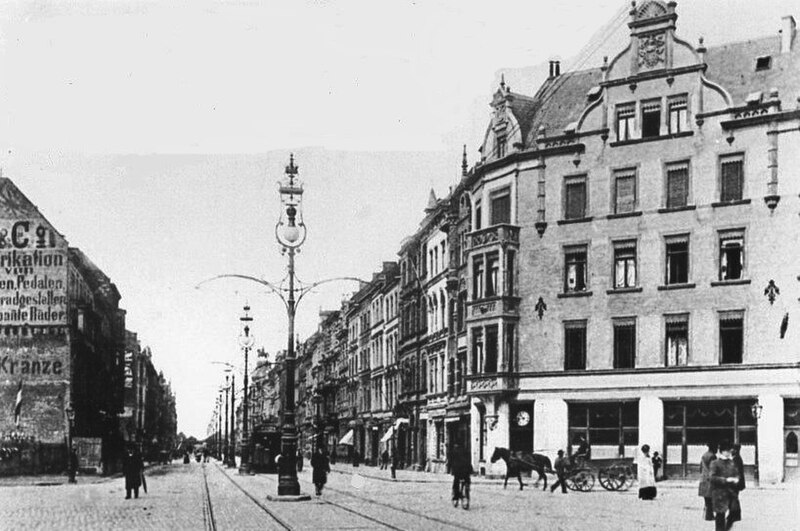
x,y
560,467
724,486
321,467
704,488
644,472
657,462
736,504
133,468
394,464
385,459
299,460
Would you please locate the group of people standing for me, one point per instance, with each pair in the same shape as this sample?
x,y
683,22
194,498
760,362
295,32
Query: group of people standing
x,y
721,481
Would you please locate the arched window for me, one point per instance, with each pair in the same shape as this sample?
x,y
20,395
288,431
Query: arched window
x,y
791,443
443,308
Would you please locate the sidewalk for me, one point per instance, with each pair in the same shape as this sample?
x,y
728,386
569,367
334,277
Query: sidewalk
x,y
412,476
49,480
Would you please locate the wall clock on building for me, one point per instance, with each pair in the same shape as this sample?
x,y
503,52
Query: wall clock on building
x,y
523,418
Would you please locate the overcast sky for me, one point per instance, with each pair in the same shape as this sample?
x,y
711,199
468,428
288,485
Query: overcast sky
x,y
152,137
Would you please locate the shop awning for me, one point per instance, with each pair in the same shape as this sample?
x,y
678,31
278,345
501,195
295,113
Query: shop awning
x,y
388,434
347,439
399,422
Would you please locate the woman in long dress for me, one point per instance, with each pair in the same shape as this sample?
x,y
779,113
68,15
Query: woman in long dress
x,y
647,480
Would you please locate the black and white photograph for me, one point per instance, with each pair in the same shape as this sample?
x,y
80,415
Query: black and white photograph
x,y
401,264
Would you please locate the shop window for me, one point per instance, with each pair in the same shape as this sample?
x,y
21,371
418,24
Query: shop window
x,y
574,345
575,269
677,259
626,116
500,203
575,197
651,118
731,255
624,191
678,113
731,177
676,340
731,336
624,343
625,264
677,185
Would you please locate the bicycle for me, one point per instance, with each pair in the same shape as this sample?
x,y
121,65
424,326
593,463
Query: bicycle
x,y
463,494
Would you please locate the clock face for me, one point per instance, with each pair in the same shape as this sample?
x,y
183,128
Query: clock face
x,y
523,418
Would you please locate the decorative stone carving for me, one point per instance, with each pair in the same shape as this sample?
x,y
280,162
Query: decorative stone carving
x,y
652,50
651,9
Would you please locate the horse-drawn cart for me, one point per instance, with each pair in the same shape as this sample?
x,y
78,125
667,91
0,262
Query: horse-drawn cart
x,y
617,476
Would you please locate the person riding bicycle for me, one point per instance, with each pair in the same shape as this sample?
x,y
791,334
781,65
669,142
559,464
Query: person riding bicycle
x,y
460,468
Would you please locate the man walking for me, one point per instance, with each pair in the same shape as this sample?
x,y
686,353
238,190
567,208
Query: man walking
x,y
561,470
704,488
132,467
460,468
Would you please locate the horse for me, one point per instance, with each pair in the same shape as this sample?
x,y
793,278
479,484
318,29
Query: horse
x,y
519,461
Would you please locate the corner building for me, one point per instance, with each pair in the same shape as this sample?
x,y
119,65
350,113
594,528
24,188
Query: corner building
x,y
633,255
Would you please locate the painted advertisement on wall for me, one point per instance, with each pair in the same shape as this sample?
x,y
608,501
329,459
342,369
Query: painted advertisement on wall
x,y
33,274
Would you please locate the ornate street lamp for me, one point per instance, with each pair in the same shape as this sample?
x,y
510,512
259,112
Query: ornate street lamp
x,y
70,461
246,342
290,231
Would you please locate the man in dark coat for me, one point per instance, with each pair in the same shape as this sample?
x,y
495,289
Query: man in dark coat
x,y
299,462
736,506
724,486
321,467
132,467
460,468
560,467
704,488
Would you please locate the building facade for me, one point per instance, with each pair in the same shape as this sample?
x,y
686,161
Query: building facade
x,y
619,266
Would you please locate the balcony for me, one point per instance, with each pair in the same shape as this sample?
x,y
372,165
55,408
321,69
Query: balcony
x,y
491,384
499,235
499,306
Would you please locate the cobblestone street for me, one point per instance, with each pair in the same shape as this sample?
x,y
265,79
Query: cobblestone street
x,y
415,501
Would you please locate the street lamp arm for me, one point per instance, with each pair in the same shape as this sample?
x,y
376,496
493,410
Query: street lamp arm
x,y
272,288
310,287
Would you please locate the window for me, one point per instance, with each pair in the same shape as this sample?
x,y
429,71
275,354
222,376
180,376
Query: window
x,y
501,206
624,343
478,215
626,115
500,146
511,266
575,197
677,185
677,248
731,336
651,118
477,350
763,63
490,365
676,340
574,345
477,278
731,177
493,271
624,191
731,255
625,264
677,114
575,269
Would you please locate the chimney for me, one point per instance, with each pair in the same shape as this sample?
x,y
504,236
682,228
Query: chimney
x,y
550,75
557,67
788,32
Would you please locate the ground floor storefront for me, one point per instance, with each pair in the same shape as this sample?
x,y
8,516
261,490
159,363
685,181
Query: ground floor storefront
x,y
616,415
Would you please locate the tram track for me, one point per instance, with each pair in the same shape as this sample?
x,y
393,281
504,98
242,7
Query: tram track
x,y
210,521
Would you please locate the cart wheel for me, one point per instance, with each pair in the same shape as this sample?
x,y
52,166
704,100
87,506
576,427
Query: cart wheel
x,y
570,481
584,480
612,478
